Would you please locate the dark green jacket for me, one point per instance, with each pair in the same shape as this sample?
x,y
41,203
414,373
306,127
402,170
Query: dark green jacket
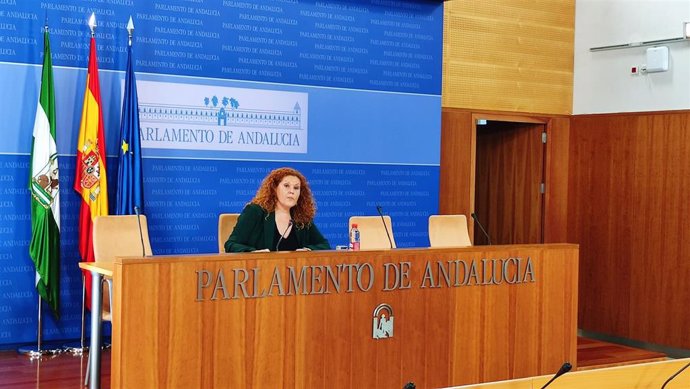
x,y
255,230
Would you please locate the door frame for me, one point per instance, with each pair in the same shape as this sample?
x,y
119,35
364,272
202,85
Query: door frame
x,y
539,125
458,165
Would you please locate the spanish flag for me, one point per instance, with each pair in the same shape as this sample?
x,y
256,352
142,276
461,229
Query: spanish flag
x,y
90,178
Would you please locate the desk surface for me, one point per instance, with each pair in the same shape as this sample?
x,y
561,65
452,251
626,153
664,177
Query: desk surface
x,y
640,376
104,268
486,251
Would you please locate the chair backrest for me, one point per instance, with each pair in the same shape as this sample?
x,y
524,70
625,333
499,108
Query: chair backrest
x,y
226,223
448,231
372,233
118,236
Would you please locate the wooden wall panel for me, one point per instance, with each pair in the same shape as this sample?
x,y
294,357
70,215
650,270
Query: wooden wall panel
x,y
628,207
509,55
556,175
456,187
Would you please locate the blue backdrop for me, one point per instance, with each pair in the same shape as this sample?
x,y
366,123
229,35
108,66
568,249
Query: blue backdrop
x,y
370,71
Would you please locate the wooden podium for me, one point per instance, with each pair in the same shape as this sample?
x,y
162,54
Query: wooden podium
x,y
306,319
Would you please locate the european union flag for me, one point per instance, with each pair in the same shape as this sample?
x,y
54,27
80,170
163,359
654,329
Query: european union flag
x,y
130,183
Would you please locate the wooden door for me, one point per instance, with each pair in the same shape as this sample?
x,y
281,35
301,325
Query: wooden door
x,y
509,175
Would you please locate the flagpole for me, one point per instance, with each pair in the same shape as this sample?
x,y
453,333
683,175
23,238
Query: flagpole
x,y
83,313
35,352
79,349
39,331
130,30
92,24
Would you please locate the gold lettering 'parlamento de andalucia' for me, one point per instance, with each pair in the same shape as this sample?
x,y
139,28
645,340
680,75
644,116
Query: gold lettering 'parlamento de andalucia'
x,y
242,283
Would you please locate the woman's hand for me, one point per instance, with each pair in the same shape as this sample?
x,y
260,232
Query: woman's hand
x,y
261,251
304,249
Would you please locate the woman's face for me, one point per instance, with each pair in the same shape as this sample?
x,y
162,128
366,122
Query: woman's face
x,y
288,191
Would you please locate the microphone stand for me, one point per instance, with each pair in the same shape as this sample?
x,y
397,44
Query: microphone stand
x,y
564,369
481,227
674,375
283,234
141,234
383,220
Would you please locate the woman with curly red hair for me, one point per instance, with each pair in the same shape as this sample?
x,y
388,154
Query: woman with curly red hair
x,y
280,217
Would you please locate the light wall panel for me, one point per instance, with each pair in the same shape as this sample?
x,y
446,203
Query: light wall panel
x,y
508,55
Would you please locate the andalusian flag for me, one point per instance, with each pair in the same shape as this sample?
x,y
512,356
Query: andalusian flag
x,y
90,178
45,190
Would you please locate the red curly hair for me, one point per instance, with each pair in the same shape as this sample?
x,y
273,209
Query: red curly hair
x,y
305,209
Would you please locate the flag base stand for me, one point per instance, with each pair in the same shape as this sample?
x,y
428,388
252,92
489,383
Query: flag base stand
x,y
35,352
75,348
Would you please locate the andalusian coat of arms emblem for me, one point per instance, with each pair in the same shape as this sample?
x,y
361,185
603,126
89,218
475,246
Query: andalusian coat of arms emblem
x,y
45,183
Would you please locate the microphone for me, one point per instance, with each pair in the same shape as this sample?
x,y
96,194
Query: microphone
x,y
564,369
481,227
378,208
283,235
674,375
141,234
